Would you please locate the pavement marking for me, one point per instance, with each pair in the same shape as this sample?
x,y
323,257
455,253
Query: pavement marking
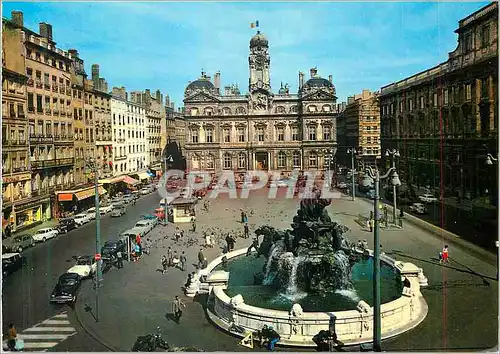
x,y
47,334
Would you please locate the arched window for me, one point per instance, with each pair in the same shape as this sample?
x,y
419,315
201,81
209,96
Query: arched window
x,y
293,109
226,111
240,110
227,161
311,108
296,159
242,160
208,111
280,109
281,159
327,108
313,159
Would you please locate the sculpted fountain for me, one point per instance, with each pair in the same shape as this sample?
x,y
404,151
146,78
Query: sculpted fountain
x,y
312,258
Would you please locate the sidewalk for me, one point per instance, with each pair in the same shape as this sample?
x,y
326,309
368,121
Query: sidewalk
x,y
135,299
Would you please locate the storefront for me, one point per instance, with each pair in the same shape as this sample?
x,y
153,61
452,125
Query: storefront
x,y
143,176
182,210
75,201
120,184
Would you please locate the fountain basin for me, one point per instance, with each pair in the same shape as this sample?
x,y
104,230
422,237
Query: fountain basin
x,y
297,327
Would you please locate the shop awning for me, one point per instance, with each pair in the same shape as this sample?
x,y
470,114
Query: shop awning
x,y
143,175
89,192
130,180
111,180
65,197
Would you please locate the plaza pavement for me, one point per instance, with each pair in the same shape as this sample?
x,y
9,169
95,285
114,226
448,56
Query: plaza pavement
x,y
462,297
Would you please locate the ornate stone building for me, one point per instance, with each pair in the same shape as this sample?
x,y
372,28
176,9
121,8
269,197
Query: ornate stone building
x,y
444,120
103,136
261,129
358,126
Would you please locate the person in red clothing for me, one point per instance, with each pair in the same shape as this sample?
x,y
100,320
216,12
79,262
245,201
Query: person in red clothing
x,y
445,255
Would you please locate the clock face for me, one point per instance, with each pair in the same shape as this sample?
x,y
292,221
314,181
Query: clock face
x,y
260,60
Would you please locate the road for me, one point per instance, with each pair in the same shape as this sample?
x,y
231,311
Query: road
x,y
27,291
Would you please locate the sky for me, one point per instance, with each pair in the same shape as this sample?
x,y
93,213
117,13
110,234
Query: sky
x,y
165,45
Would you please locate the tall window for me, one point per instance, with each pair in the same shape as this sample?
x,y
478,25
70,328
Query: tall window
x,y
296,159
242,160
327,133
210,162
446,96
241,135
421,102
468,92
313,159
194,135
260,134
227,161
295,133
312,133
435,99
281,159
227,135
39,106
210,135
281,133
485,36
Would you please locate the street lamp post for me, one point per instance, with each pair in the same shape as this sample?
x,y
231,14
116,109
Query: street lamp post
x,y
170,160
91,164
370,176
393,153
352,151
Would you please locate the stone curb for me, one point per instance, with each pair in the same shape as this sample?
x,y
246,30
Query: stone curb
x,y
438,232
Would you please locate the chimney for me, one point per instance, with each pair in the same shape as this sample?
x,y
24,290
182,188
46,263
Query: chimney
x,y
46,30
217,81
126,96
102,83
330,78
301,79
95,75
313,72
227,90
350,99
158,96
18,18
73,52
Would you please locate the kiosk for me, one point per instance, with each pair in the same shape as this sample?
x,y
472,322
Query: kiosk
x,y
182,210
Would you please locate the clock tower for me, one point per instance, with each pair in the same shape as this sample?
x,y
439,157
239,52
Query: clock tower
x,y
259,62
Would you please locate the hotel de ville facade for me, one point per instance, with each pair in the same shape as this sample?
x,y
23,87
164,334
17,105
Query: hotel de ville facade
x,y
230,131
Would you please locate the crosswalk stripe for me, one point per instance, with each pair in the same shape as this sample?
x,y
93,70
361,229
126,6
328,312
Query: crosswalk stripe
x,y
44,336
50,329
56,322
36,345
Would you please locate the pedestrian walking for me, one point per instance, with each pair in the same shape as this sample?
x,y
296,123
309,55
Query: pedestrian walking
x,y
246,229
175,259
245,218
201,259
208,240
371,223
242,217
365,244
177,236
170,255
183,260
119,259
177,306
228,243
164,264
232,242
445,257
189,280
11,337
182,233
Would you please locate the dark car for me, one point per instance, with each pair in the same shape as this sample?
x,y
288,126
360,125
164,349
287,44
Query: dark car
x,y
11,262
111,247
66,288
19,243
66,225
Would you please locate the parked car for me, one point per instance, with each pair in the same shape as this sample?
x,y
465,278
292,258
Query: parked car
x,y
11,262
370,194
91,213
418,208
18,243
66,225
105,209
133,232
66,288
127,198
428,198
342,185
112,246
85,266
81,219
136,194
44,234
146,224
115,200
145,191
118,210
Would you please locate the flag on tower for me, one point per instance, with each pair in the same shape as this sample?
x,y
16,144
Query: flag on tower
x,y
254,24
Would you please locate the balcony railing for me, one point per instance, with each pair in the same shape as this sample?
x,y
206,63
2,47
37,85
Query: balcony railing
x,y
31,109
54,87
38,139
30,82
38,84
46,86
48,111
52,163
119,158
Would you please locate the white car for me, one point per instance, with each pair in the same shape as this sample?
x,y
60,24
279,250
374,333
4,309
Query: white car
x,y
81,219
342,185
145,191
148,225
428,198
418,208
91,213
85,266
43,235
105,209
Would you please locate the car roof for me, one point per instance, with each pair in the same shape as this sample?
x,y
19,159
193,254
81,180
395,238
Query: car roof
x,y
17,237
10,255
45,229
69,275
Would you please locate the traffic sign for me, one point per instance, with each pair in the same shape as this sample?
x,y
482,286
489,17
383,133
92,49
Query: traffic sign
x,y
97,256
